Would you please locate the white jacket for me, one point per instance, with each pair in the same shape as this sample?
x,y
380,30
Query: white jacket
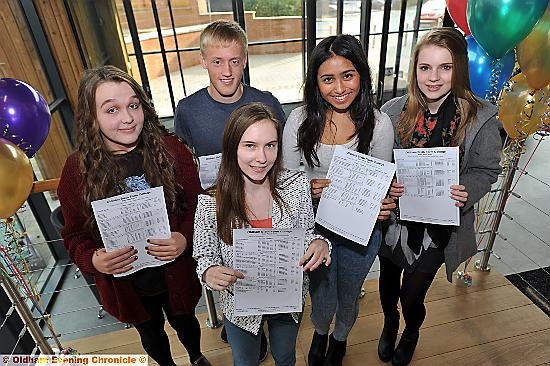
x,y
209,250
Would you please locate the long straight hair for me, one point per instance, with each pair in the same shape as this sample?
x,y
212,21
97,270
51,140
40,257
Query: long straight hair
x,y
229,192
361,110
102,176
467,106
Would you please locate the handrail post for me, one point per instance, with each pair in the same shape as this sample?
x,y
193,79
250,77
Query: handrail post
x,y
25,314
213,320
483,263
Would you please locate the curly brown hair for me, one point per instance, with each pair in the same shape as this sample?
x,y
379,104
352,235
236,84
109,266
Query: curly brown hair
x,y
101,175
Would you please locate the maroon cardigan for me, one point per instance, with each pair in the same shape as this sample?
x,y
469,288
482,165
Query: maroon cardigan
x,y
117,294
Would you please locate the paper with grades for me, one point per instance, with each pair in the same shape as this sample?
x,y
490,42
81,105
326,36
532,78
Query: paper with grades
x,y
428,174
350,205
273,279
130,219
208,169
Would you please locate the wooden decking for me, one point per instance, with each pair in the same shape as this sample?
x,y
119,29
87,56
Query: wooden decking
x,y
489,323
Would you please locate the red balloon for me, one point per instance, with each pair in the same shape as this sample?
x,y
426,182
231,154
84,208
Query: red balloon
x,y
457,11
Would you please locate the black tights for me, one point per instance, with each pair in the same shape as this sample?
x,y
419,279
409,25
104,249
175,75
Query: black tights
x,y
412,292
155,340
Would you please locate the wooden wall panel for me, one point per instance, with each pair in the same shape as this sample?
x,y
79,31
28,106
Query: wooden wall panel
x,y
63,44
20,60
19,57
80,11
99,32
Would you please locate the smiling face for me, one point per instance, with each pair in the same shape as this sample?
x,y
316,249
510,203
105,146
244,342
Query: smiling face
x,y
257,151
339,82
225,65
434,72
119,114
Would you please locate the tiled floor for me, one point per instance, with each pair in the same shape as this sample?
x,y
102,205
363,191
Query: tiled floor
x,y
535,284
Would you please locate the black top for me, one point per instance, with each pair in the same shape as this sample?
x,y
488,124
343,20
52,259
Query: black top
x,y
147,281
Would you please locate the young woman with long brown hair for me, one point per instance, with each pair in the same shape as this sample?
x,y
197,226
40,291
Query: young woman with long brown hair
x,y
122,147
252,190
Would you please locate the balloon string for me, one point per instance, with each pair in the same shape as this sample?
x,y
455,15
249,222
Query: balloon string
x,y
492,93
545,117
512,150
14,252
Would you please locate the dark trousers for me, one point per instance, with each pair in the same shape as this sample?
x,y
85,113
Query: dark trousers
x,y
154,338
411,291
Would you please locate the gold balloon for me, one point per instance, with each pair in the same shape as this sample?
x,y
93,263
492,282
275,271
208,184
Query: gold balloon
x,y
521,108
16,178
534,53
543,110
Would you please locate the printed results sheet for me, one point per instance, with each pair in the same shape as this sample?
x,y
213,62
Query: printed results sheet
x,y
427,175
209,165
273,279
130,219
350,205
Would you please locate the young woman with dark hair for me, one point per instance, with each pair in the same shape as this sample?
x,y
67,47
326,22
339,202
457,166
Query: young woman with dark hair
x,y
338,110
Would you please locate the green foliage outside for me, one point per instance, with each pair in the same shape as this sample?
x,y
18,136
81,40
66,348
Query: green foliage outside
x,y
274,8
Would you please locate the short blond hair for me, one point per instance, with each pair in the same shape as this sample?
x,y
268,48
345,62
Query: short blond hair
x,y
223,32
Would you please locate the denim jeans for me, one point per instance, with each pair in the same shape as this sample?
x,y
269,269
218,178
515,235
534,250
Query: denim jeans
x,y
282,339
335,289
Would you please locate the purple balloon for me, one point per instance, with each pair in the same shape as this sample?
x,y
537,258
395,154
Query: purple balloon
x,y
24,115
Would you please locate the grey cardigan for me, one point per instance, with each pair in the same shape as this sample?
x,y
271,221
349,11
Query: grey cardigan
x,y
479,170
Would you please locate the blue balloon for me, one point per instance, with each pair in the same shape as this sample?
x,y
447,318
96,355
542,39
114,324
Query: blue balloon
x,y
480,66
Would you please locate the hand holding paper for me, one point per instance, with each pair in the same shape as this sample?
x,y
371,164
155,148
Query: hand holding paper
x,y
396,189
459,194
388,204
315,255
114,262
220,278
351,204
129,220
317,186
167,249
